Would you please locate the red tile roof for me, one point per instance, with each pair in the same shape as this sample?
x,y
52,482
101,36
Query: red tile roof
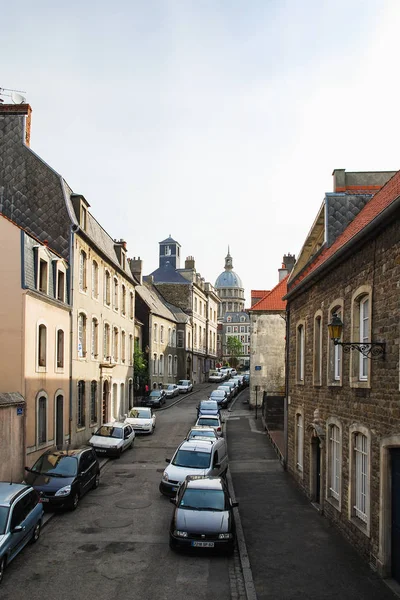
x,y
273,299
259,293
382,200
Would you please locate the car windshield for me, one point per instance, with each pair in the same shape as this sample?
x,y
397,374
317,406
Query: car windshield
x,y
56,465
3,518
203,500
202,434
192,459
218,394
155,394
209,405
110,431
170,387
208,421
140,413
183,382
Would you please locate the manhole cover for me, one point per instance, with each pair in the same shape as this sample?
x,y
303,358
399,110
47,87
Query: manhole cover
x,y
113,522
134,503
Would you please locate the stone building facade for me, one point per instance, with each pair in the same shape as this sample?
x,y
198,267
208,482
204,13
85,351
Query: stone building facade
x,y
343,411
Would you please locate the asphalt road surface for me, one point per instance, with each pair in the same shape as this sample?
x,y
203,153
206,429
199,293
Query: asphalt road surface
x,y
115,545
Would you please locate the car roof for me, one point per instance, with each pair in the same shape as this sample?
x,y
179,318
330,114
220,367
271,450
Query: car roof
x,y
201,428
139,408
214,401
9,491
204,483
115,424
219,392
196,445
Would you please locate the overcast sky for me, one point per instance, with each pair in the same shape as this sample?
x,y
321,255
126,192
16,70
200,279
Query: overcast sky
x,y
218,122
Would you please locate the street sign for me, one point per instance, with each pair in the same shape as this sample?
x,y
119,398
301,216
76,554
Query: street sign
x,y
20,411
257,368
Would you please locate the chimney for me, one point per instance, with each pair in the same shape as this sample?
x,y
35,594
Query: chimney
x,y
22,112
136,266
287,265
189,262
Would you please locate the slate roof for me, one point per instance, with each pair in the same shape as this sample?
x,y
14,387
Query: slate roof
x,y
273,300
180,315
235,317
168,274
228,279
371,212
169,240
154,301
11,399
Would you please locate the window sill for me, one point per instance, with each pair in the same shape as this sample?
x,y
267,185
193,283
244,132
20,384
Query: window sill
x,y
334,503
361,525
41,369
80,428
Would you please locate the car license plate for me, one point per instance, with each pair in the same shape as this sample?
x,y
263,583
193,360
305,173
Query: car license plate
x,y
203,544
174,489
100,450
44,500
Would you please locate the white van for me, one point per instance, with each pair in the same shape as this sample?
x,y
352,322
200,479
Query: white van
x,y
194,457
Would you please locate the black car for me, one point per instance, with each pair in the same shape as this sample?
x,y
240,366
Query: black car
x,y
156,399
203,516
221,397
62,477
208,407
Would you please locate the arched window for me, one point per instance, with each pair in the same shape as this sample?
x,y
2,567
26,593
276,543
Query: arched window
x,y
82,271
95,338
93,401
131,306
106,342
60,349
161,365
81,404
81,335
123,308
116,293
107,288
42,420
95,279
123,346
42,346
116,344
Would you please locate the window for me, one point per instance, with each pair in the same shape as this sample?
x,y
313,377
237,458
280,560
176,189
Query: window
x,y
95,338
123,346
82,271
131,349
60,349
131,306
162,334
195,305
229,319
116,293
123,307
175,366
122,397
155,329
116,344
299,441
107,288
360,450
42,420
242,329
334,462
154,364
364,337
317,371
81,335
169,365
188,345
173,343
300,353
161,365
61,286
130,393
106,342
229,329
95,279
42,346
93,401
83,218
81,404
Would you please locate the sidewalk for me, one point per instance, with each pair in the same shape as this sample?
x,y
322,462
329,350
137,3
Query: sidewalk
x,y
293,551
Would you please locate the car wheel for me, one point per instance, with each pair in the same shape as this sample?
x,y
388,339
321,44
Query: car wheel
x,y
96,481
36,532
119,453
2,567
75,501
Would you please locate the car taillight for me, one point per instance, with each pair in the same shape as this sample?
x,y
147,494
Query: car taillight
x,y
218,428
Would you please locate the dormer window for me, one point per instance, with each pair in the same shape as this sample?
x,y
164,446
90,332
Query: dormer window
x,y
83,219
43,280
61,286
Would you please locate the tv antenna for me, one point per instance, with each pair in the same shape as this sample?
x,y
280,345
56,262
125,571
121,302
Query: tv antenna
x,y
15,95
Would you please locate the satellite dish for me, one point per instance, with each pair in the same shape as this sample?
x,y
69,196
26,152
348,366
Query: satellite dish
x,y
17,98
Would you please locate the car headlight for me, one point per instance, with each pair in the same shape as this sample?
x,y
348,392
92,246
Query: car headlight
x,y
179,533
165,476
64,491
224,536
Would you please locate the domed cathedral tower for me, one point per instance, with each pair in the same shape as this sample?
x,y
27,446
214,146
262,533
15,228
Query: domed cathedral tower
x,y
230,289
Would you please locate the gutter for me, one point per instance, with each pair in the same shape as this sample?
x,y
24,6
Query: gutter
x,y
73,229
379,221
286,400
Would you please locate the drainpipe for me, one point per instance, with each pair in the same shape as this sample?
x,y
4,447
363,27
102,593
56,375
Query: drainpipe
x,y
286,401
73,230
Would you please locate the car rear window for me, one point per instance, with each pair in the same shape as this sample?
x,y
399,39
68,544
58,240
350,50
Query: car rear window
x,y
207,421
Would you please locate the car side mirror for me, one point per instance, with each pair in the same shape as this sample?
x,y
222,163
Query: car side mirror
x,y
217,465
17,529
28,469
235,504
168,460
173,500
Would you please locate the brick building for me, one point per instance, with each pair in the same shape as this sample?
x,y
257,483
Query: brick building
x,y
343,411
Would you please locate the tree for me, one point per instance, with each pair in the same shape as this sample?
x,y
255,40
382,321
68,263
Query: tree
x,y
140,368
234,349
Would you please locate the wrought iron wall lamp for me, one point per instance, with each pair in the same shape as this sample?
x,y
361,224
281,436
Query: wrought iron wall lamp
x,y
369,349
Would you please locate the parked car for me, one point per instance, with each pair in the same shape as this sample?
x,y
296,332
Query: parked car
x,y
227,389
226,372
156,398
246,379
62,477
233,372
239,380
211,421
142,419
202,431
194,457
208,407
203,516
216,376
21,515
171,390
111,439
221,397
233,384
185,386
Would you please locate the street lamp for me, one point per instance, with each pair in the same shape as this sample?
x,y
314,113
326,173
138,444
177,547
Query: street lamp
x,y
368,349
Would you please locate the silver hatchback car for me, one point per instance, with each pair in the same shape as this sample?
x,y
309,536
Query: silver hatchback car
x,y
21,515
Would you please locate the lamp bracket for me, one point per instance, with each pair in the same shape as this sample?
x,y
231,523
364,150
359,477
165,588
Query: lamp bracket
x,y
370,350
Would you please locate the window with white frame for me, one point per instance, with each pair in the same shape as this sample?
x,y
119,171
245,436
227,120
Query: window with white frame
x,y
130,349
123,307
228,329
116,294
175,366
60,285
43,277
360,476
123,346
317,371
161,365
154,364
42,420
95,280
337,357
60,349
173,338
82,271
106,342
169,365
180,339
300,341
131,306
81,404
155,332
42,346
334,462
364,337
107,288
116,344
299,441
162,334
93,401
95,338
81,335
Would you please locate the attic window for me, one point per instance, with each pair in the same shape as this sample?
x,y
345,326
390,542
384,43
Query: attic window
x,y
83,218
167,250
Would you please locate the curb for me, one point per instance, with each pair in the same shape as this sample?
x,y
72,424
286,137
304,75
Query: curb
x,y
251,593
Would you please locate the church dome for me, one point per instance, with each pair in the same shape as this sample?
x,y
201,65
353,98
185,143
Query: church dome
x,y
228,278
